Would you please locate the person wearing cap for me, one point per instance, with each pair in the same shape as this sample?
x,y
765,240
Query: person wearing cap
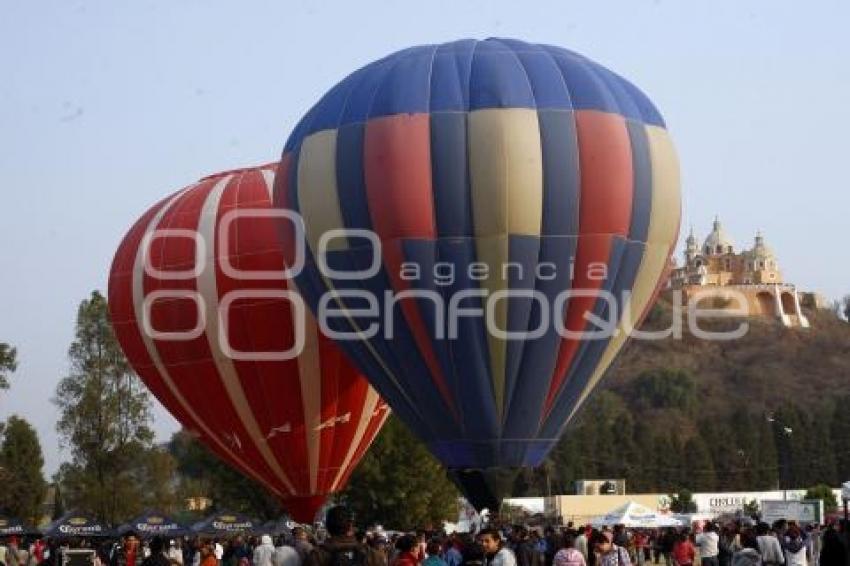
x,y
341,547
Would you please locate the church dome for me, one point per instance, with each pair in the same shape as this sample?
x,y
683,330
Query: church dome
x,y
761,249
718,242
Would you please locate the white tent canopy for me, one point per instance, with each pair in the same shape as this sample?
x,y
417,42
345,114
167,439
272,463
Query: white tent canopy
x,y
636,515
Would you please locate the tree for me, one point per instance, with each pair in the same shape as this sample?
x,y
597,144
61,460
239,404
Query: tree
x,y
840,433
202,474
160,479
683,502
825,494
752,508
21,463
399,484
104,420
58,500
8,363
665,389
699,465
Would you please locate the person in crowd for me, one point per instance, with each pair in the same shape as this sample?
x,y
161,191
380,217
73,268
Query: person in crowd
x,y
264,552
708,542
621,537
553,544
239,552
640,541
655,545
604,552
197,545
769,547
813,543
341,548
380,545
495,551
525,549
408,552
284,554
794,545
452,554
727,544
302,543
433,550
472,551
129,553
668,540
832,551
421,546
684,552
569,555
748,554
581,541
37,550
175,553
207,553
157,555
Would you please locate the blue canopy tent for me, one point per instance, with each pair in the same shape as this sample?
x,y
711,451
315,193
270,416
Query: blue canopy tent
x,y
279,527
77,525
225,524
152,523
11,526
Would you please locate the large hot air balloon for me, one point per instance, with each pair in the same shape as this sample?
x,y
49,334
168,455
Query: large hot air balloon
x,y
513,191
201,309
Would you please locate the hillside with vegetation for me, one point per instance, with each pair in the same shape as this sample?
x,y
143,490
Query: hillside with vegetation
x,y
766,410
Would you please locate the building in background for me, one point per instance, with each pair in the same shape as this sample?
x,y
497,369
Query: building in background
x,y
726,276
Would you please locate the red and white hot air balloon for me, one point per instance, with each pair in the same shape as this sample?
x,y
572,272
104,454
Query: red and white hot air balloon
x,y
200,305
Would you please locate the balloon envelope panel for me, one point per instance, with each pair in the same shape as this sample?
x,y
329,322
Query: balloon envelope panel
x,y
201,310
508,174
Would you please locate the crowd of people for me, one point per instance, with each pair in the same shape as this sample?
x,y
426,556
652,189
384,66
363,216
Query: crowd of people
x,y
736,543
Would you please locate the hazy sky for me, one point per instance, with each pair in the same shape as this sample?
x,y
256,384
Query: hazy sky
x,y
107,106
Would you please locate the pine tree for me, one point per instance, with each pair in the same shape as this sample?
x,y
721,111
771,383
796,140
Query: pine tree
x,y
820,450
58,500
699,465
745,453
566,459
643,478
104,420
21,463
766,459
840,433
666,462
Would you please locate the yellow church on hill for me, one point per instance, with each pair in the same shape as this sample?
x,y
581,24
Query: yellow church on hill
x,y
752,275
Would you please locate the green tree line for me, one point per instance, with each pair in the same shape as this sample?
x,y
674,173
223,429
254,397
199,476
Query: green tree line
x,y
654,434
